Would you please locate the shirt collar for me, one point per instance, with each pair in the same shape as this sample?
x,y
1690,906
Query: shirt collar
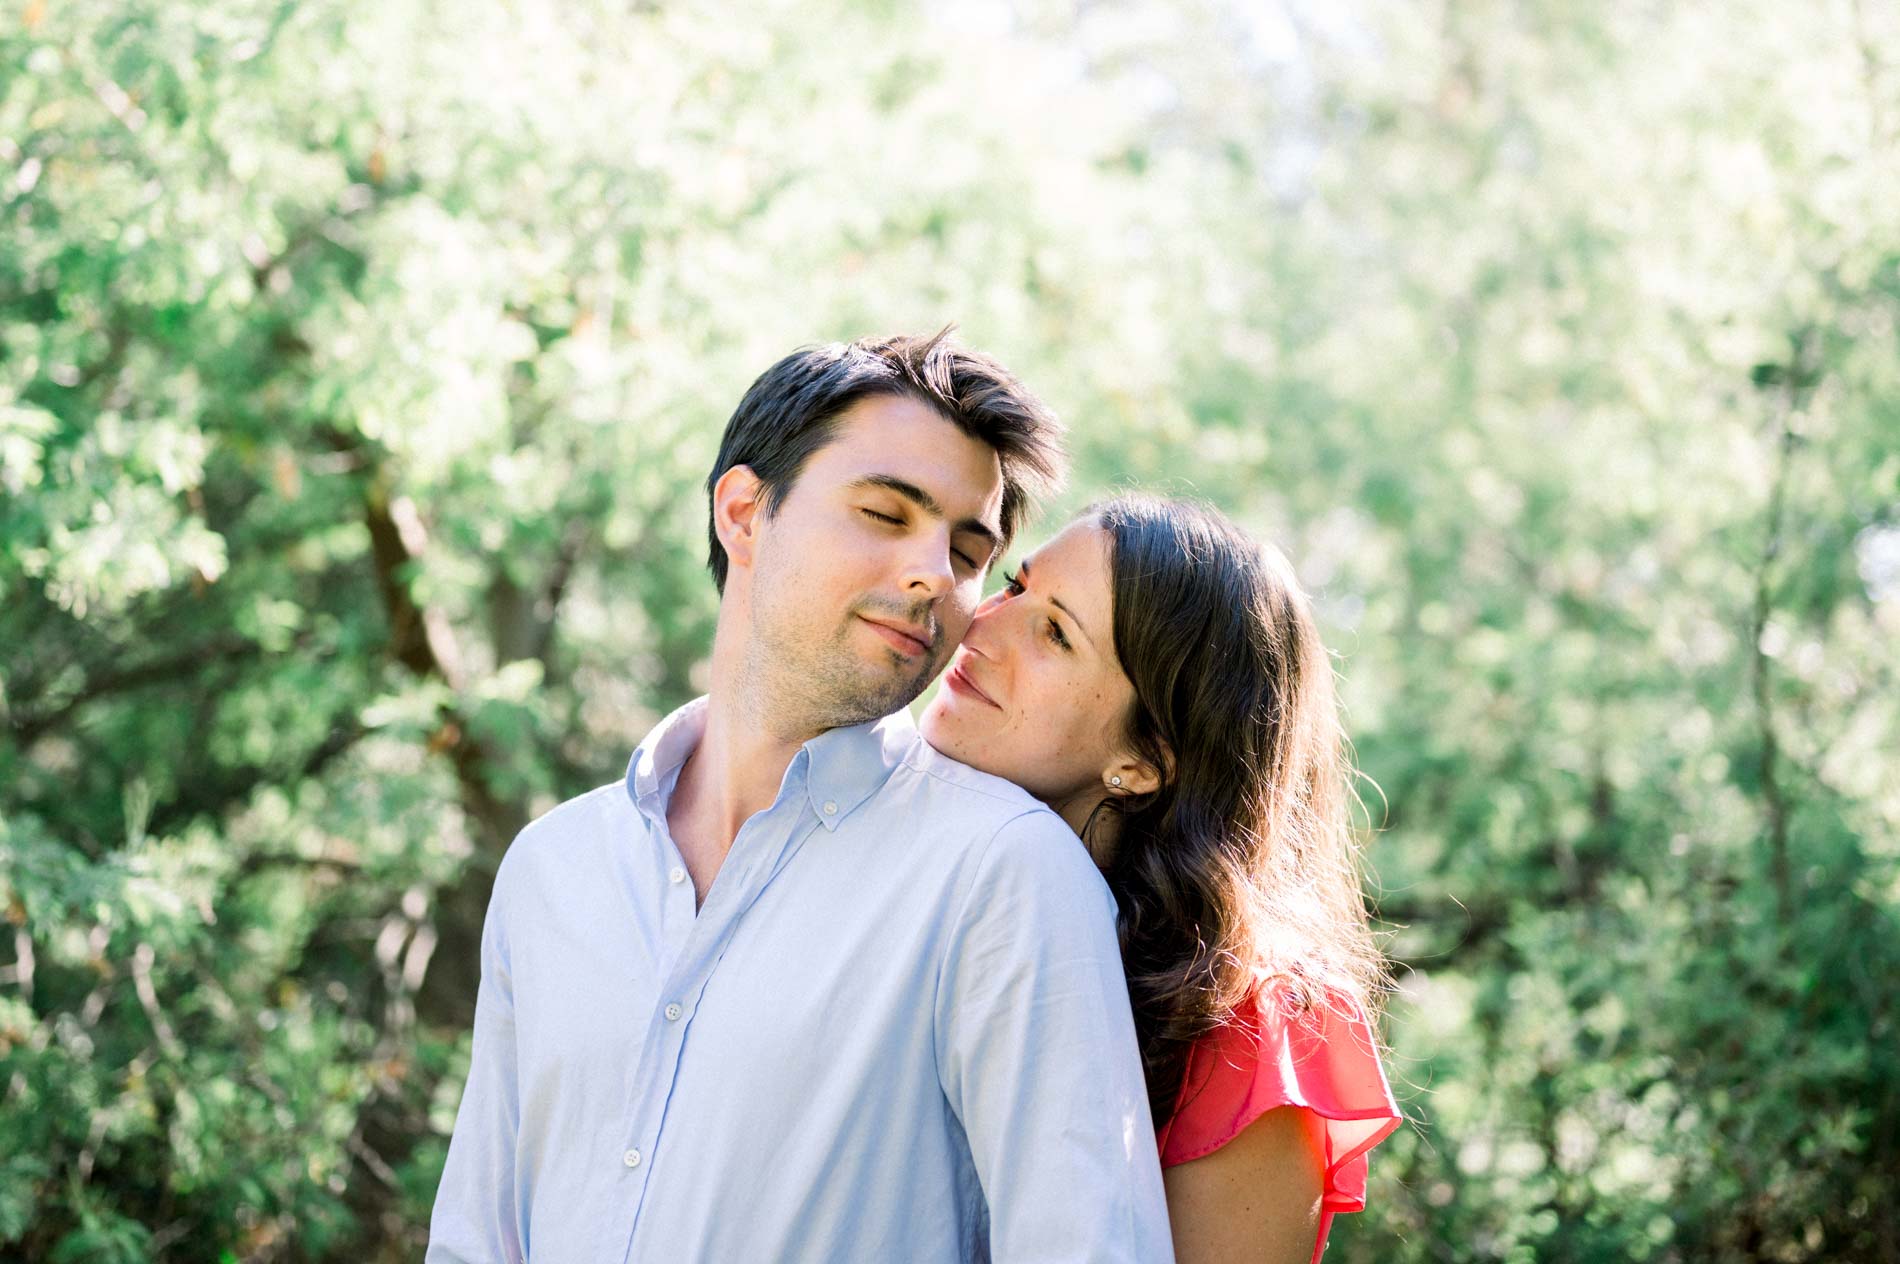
x,y
843,767
657,760
847,766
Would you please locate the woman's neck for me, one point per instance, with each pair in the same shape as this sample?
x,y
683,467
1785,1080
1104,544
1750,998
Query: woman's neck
x,y
1099,833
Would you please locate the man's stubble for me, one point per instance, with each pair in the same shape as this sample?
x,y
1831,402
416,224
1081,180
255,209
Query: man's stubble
x,y
805,680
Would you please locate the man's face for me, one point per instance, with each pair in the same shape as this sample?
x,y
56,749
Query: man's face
x,y
864,580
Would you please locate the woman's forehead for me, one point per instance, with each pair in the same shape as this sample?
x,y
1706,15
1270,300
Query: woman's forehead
x,y
1080,547
1073,565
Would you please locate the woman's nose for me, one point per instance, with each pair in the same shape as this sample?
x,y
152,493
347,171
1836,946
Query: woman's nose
x,y
987,630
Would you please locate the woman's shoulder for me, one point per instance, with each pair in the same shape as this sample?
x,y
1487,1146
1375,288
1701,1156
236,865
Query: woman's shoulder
x,y
1288,1046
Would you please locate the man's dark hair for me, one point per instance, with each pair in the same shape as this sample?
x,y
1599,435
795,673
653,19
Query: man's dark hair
x,y
791,412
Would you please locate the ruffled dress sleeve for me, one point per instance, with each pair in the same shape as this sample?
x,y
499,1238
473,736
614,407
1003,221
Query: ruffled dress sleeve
x,y
1271,1055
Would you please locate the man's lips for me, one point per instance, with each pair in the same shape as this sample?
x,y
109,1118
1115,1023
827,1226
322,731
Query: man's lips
x,y
906,639
958,681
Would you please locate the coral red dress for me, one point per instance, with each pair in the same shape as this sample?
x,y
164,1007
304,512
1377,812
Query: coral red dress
x,y
1268,1056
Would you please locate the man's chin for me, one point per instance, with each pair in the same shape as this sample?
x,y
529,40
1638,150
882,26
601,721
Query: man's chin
x,y
897,690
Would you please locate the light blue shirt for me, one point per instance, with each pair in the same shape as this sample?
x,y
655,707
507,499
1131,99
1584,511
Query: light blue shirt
x,y
896,1031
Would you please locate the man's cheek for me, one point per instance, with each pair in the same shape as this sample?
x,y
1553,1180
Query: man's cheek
x,y
956,620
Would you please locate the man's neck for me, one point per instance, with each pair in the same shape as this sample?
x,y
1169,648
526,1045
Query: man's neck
x,y
733,773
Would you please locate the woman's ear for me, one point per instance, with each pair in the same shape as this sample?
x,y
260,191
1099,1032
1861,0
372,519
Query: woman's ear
x,y
738,506
1129,775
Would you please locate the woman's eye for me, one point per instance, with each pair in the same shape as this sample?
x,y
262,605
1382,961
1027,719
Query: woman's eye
x,y
1011,584
1055,634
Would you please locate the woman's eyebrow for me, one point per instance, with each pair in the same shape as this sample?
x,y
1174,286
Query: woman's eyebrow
x,y
1022,568
932,506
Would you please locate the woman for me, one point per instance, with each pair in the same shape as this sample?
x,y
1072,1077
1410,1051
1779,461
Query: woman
x,y
1157,679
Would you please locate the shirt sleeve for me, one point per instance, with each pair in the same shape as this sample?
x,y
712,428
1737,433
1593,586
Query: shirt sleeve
x,y
476,1218
1036,1053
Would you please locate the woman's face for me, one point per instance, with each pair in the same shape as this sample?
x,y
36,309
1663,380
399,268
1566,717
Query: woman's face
x,y
1035,693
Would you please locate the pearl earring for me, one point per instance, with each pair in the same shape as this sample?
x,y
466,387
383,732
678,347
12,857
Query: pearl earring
x,y
1114,781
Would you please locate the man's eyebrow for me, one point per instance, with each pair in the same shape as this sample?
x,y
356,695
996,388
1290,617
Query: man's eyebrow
x,y
1022,570
932,506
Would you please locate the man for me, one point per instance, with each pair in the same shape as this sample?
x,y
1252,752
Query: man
x,y
800,988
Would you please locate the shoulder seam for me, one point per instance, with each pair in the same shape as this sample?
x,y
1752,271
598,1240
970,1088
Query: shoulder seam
x,y
574,802
910,762
554,818
975,866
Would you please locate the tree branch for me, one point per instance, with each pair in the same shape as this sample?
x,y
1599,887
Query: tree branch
x,y
28,728
208,796
1797,380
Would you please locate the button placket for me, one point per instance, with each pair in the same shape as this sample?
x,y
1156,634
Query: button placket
x,y
695,957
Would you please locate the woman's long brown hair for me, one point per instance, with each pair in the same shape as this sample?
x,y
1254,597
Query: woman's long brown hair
x,y
1243,867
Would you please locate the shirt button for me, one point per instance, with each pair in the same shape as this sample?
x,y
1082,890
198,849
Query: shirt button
x,y
830,808
673,1012
631,1158
677,876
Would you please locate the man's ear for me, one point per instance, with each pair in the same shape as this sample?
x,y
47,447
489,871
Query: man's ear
x,y
738,508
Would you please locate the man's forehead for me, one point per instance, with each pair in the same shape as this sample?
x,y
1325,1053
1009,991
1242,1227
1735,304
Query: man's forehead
x,y
913,446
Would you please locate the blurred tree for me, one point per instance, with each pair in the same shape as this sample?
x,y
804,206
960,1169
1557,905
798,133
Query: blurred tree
x,y
360,366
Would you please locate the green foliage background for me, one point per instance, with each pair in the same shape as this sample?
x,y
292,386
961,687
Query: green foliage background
x,y
360,363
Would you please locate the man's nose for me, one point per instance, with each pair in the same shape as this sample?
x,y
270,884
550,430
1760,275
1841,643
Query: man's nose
x,y
929,574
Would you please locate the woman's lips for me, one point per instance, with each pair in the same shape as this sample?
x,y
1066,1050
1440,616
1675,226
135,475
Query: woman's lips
x,y
903,642
958,681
